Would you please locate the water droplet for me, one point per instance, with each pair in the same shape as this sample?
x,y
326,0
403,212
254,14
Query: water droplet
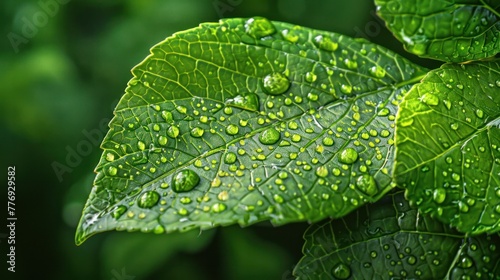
x,y
185,181
167,116
276,83
430,99
351,64
110,157
311,77
197,132
411,260
322,171
141,146
162,140
366,183
455,177
148,199
327,141
347,89
218,207
312,96
259,27
439,195
325,43
384,112
465,262
118,211
181,109
269,136
296,138
341,271
291,35
377,72
223,196
173,131
232,129
230,158
112,170
348,156
454,126
248,101
278,198
479,113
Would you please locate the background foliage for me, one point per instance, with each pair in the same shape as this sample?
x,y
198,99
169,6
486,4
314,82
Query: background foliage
x,y
61,86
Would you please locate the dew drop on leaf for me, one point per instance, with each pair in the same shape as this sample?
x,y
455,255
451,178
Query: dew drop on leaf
x,y
311,77
248,101
351,64
181,109
167,116
269,136
366,183
185,181
325,43
465,262
173,132
341,271
322,171
328,141
197,132
110,157
230,158
479,113
278,198
348,156
259,27
347,89
218,207
377,72
430,99
148,199
112,170
141,146
162,140
159,229
232,129
276,83
439,195
118,211
290,35
411,260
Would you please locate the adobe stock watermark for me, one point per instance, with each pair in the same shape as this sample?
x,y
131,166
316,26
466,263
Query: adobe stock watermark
x,y
223,6
31,24
372,28
76,154
121,275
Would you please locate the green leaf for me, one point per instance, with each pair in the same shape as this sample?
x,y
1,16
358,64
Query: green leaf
x,y
391,240
244,121
448,145
448,30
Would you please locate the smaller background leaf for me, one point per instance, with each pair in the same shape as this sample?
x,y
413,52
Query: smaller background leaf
x,y
453,31
448,145
391,240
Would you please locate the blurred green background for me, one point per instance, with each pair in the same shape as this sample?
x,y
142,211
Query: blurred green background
x,y
63,67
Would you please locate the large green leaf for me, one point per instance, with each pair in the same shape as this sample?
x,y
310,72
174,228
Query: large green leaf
x,y
243,121
448,145
448,30
391,240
